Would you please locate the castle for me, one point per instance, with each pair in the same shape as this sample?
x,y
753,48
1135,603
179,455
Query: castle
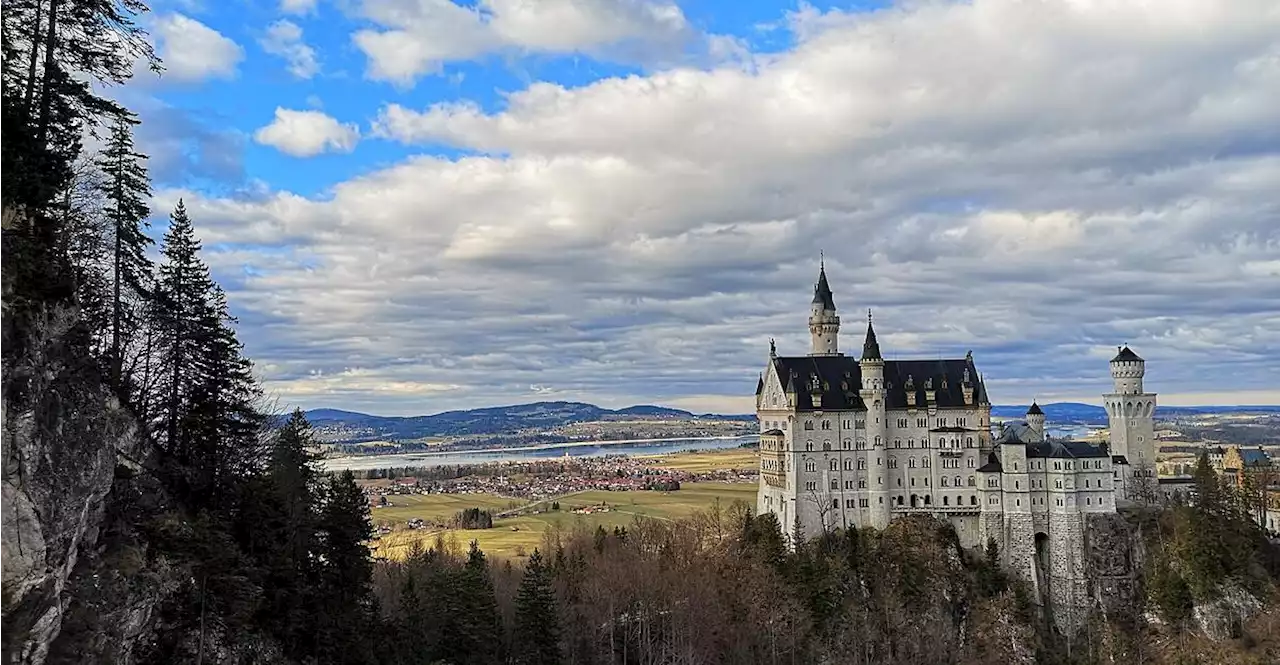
x,y
859,442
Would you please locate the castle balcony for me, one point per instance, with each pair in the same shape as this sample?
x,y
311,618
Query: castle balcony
x,y
935,510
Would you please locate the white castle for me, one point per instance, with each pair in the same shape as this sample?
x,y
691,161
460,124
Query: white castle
x,y
858,442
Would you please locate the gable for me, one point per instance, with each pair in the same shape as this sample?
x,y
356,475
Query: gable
x,y
773,394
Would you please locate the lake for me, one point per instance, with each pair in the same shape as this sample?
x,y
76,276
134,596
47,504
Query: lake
x,y
533,453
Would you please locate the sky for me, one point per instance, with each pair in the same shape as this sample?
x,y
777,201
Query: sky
x,y
421,205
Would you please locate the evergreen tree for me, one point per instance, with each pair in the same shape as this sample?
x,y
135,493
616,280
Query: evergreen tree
x,y
126,190
480,630
537,629
347,570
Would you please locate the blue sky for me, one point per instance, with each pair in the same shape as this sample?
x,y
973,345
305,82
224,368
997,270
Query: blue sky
x,y
419,205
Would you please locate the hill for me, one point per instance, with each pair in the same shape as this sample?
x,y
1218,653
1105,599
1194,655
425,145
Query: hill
x,y
1089,414
492,420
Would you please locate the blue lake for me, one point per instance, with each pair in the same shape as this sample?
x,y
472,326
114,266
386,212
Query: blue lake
x,y
532,453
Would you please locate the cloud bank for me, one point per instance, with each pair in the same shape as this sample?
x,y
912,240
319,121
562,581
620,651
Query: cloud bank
x,y
1037,182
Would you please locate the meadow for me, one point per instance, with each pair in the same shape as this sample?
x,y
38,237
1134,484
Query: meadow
x,y
514,536
710,460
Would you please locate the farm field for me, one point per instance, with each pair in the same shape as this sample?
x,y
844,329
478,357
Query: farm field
x,y
438,506
503,542
711,460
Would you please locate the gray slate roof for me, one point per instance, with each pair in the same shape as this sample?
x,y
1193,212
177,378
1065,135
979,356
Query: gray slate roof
x,y
1126,354
840,378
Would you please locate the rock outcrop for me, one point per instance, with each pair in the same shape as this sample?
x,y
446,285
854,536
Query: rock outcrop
x,y
63,435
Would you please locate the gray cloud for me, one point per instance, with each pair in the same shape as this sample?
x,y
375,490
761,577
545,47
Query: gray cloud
x,y
1081,177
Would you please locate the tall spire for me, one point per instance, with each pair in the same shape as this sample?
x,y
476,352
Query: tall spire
x,y
822,290
871,347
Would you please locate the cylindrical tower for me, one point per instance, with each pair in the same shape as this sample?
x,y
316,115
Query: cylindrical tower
x,y
824,325
1035,419
1127,370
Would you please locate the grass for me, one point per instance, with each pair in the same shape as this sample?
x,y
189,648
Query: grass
x,y
437,506
711,460
503,542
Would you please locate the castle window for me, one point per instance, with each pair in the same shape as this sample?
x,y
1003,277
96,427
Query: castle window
x,y
911,463
826,445
811,486
808,446
847,444
846,424
942,422
848,465
1058,484
942,442
911,443
945,482
808,424
848,503
860,423
862,484
946,501
877,442
960,422
902,422
834,466
968,442
1057,466
1017,485
924,462
835,484
848,484
899,482
926,481
863,503
957,481
899,500
893,462
810,466
897,443
878,462
971,462
1019,502
826,424
1015,466
862,464
973,482
973,500
835,503
921,422
913,482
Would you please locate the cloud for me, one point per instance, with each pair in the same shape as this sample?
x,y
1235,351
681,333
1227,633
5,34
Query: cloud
x,y
284,39
307,133
418,36
1035,182
192,51
300,7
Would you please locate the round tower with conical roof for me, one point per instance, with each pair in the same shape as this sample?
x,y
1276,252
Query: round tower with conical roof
x,y
1035,419
824,325
1131,415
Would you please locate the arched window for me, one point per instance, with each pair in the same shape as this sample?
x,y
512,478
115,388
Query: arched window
x,y
893,462
810,465
833,465
971,464
957,481
826,445
877,441
835,484
968,442
973,500
808,424
862,484
942,443
808,446
911,463
848,444
826,424
928,499
946,501
862,465
945,482
848,465
924,462
911,443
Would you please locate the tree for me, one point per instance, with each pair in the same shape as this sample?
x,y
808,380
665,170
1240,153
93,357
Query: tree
x,y
347,571
537,629
126,190
480,628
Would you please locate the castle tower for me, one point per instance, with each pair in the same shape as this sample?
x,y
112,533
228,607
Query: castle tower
x,y
1035,419
1130,413
824,325
873,396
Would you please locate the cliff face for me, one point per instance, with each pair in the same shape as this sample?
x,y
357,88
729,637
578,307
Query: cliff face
x,y
63,434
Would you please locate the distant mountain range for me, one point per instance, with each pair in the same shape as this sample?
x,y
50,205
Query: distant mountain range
x,y
497,419
547,415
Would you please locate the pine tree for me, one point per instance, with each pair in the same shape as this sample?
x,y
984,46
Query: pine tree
x,y
126,190
480,628
347,571
537,630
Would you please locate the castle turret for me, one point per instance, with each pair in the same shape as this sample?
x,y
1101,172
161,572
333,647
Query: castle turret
x,y
873,396
1131,415
1035,419
824,325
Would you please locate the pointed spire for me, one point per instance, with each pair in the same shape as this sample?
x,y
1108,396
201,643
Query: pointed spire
x,y
1035,409
821,290
871,347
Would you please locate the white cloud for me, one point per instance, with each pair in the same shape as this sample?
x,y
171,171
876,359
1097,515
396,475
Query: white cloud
x,y
192,51
284,39
299,7
1034,182
307,133
418,36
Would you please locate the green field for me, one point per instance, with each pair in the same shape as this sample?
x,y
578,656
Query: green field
x,y
437,507
711,460
502,541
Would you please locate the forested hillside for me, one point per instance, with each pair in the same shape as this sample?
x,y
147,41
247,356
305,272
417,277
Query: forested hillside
x,y
157,511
